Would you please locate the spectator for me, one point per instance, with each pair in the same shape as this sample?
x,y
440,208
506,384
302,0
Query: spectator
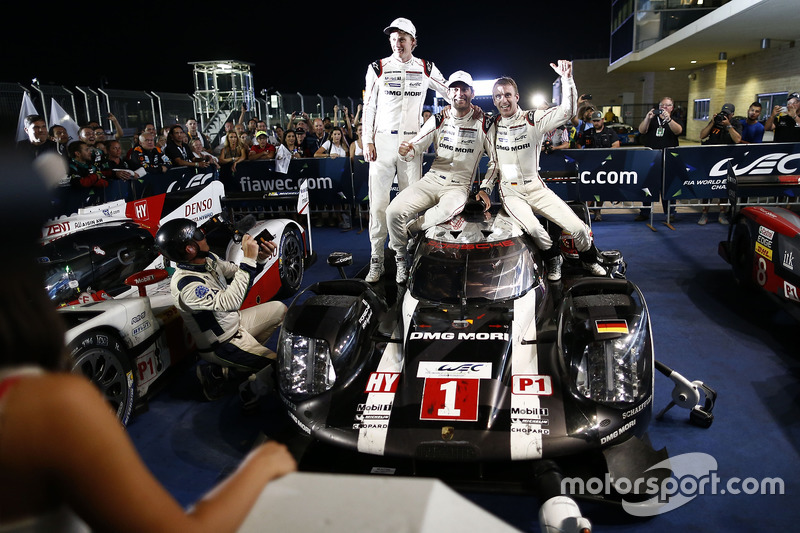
x,y
83,172
316,138
722,129
659,129
87,477
752,129
244,138
357,147
786,126
391,117
347,130
287,151
209,291
201,155
193,133
99,135
279,133
147,158
114,164
582,120
599,136
87,134
301,142
38,141
180,153
264,150
60,136
262,126
556,139
334,147
233,151
118,133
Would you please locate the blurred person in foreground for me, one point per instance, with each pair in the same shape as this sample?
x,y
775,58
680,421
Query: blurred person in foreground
x,y
66,463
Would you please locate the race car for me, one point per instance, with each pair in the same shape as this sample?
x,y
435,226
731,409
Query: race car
x,y
763,247
479,372
112,286
764,241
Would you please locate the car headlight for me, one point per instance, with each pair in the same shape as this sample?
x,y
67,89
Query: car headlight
x,y
306,367
609,359
609,371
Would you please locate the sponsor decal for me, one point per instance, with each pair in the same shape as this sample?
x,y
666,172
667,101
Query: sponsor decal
x,y
385,470
448,432
385,382
612,326
612,177
201,291
98,250
366,407
766,232
460,336
765,241
140,210
249,184
776,163
365,316
532,385
763,251
102,340
619,432
302,426
138,318
480,246
195,208
637,409
438,369
788,260
530,430
142,327
790,291
468,133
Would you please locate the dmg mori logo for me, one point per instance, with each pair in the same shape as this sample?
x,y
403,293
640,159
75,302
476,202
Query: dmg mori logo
x,y
778,163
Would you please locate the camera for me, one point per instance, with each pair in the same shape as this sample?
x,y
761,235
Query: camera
x,y
657,111
264,237
547,146
586,96
719,117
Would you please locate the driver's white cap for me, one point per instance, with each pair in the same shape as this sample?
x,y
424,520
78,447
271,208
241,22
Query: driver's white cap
x,y
461,76
402,25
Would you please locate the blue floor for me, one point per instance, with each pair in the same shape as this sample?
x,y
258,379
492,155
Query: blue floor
x,y
703,326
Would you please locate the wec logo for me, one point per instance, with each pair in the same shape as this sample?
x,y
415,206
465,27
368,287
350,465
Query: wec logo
x,y
777,163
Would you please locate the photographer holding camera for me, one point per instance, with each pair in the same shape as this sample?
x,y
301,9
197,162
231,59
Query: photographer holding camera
x,y
659,129
723,129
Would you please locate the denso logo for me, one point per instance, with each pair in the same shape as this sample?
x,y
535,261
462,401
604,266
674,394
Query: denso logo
x,y
767,164
198,207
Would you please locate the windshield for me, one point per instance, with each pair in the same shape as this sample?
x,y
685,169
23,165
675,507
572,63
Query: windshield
x,y
490,271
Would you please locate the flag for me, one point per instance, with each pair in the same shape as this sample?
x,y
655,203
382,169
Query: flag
x,y
612,326
302,199
59,117
27,108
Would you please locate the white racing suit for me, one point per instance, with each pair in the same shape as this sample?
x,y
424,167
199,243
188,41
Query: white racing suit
x,y
393,99
523,192
443,191
208,296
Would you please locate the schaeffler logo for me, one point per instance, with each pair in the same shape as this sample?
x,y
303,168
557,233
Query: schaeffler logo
x,y
693,474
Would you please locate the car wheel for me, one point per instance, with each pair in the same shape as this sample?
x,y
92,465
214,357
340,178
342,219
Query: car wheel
x,y
101,357
291,263
741,251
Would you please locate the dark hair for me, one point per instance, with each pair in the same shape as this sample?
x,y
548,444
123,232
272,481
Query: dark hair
x,y
74,146
30,119
756,104
31,332
52,129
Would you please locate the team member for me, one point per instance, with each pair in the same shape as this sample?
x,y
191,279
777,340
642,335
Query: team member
x,y
395,91
460,140
209,291
522,190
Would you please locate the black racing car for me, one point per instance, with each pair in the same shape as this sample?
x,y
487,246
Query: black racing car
x,y
479,372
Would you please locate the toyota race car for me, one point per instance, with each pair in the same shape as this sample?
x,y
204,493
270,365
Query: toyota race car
x,y
478,373
102,268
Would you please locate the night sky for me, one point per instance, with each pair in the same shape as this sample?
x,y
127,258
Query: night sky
x,y
324,49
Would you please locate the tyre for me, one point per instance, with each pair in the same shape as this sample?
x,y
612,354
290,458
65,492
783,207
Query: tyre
x,y
291,263
101,357
741,252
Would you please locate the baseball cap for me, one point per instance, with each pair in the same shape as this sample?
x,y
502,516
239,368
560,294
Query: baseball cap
x,y
401,24
260,133
461,76
793,95
597,115
728,108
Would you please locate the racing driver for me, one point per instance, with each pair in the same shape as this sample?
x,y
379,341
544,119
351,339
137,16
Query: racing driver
x,y
208,292
522,191
460,140
395,92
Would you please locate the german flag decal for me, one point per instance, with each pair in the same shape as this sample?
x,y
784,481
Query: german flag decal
x,y
612,326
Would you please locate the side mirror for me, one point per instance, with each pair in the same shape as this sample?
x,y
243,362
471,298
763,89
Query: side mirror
x,y
340,260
